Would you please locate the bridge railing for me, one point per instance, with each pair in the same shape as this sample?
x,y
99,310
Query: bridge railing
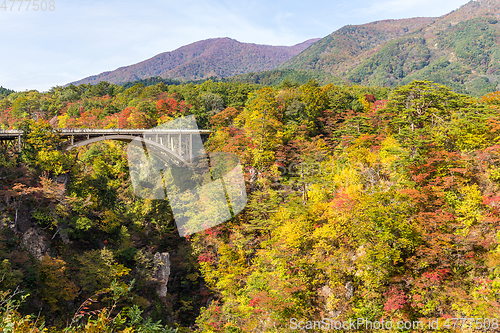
x,y
107,130
9,131
113,130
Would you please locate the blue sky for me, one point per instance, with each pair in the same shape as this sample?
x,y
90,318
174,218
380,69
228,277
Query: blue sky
x,y
42,49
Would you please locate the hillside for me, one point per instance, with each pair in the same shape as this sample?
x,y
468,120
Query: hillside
x,y
362,202
334,53
459,49
220,57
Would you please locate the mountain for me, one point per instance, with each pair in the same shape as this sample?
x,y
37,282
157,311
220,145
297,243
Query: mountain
x,y
334,53
221,57
460,49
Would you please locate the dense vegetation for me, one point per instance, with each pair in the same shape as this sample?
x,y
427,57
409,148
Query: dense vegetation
x,y
279,76
274,77
5,91
363,202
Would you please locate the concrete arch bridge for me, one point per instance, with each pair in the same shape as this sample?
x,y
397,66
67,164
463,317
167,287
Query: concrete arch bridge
x,y
180,144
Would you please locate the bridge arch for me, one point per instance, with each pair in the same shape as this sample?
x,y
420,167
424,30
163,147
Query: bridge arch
x,y
130,138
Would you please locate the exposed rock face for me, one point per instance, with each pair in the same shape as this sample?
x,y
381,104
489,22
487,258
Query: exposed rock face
x,y
162,272
22,220
325,294
334,300
349,290
36,242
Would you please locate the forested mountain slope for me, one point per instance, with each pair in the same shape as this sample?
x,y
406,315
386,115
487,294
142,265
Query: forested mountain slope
x,y
335,53
460,49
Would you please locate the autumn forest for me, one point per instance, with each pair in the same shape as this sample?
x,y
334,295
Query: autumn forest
x,y
363,202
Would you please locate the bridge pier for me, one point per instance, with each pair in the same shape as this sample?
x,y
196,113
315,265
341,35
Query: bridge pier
x,y
190,147
180,145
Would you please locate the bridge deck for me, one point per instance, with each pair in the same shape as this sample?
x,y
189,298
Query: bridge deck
x,y
179,142
14,134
